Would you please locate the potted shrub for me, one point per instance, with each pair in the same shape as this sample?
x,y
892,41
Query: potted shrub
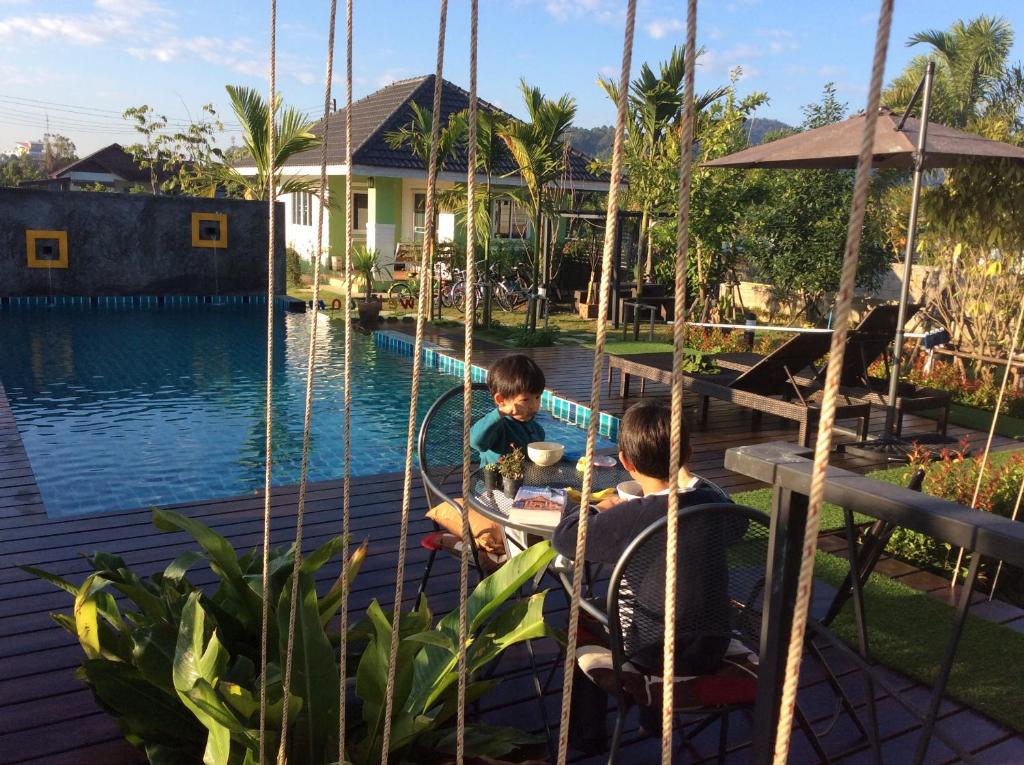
x,y
511,468
179,668
491,476
366,263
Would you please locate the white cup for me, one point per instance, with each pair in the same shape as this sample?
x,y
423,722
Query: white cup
x,y
629,490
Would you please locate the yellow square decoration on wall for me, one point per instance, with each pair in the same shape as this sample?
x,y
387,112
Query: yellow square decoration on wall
x,y
46,249
210,230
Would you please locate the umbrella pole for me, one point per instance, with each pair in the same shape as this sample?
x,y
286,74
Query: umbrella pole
x,y
908,255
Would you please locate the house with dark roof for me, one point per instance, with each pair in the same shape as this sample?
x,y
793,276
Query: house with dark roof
x,y
111,167
390,184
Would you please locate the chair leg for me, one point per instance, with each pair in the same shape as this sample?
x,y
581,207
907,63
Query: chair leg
x,y
723,739
426,575
805,726
620,721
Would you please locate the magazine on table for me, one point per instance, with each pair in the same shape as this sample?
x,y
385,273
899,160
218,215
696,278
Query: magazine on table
x,y
538,506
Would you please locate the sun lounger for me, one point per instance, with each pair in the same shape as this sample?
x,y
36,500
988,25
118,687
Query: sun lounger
x,y
866,344
768,387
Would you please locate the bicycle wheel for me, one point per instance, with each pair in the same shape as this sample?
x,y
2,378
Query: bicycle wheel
x,y
457,296
400,296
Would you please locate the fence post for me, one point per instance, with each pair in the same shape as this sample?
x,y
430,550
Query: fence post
x,y
748,335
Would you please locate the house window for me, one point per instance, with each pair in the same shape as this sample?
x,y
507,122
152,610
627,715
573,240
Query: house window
x,y
361,205
419,216
302,208
508,220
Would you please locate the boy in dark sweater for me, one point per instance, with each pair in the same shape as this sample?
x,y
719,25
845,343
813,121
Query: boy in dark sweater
x,y
516,383
644,441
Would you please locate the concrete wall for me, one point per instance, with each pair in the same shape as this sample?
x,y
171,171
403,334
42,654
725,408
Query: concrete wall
x,y
135,244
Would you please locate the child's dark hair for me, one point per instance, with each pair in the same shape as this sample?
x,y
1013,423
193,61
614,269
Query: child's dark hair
x,y
514,375
645,438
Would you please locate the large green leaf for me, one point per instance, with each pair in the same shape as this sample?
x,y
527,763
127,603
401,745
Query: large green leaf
x,y
153,654
330,602
53,579
434,664
223,560
489,741
314,673
142,708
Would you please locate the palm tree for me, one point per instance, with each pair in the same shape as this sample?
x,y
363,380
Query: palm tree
x,y
536,147
972,77
291,136
655,109
488,152
415,136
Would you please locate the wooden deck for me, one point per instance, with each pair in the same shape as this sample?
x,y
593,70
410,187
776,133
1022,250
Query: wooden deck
x,y
46,716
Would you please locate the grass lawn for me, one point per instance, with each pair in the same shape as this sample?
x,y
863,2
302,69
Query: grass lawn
x,y
981,419
908,631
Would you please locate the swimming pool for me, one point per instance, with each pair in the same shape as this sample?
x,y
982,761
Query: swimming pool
x,y
127,408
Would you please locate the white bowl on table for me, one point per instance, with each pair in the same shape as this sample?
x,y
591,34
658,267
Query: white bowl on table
x,y
545,453
628,490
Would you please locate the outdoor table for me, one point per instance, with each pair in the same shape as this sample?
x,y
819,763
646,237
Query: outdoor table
x,y
496,505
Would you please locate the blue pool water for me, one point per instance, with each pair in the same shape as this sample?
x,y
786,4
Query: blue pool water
x,y
128,408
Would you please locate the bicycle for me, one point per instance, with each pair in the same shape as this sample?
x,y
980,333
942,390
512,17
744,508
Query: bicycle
x,y
405,294
509,292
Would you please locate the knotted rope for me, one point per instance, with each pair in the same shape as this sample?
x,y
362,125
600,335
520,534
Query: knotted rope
x,y
678,346
467,384
610,237
844,299
347,372
424,296
269,411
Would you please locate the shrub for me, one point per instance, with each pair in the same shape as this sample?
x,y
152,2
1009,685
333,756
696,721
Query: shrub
x,y
179,670
293,266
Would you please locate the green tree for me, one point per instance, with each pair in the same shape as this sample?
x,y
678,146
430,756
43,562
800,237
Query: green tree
x,y
58,151
536,147
14,170
292,135
972,77
651,148
153,152
794,233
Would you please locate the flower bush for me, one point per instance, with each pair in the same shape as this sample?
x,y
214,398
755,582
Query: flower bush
x,y
972,390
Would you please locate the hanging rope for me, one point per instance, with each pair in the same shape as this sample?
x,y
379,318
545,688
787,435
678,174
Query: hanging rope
x,y
424,297
347,372
844,299
269,411
610,236
991,435
308,417
467,384
678,346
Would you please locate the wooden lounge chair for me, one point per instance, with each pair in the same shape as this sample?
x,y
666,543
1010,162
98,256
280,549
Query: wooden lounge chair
x,y
866,344
769,386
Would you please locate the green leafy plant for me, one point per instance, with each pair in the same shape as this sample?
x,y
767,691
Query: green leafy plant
x,y
293,266
178,667
366,263
511,465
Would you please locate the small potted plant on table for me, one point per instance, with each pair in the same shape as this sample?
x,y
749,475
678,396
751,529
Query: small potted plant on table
x,y
510,466
491,477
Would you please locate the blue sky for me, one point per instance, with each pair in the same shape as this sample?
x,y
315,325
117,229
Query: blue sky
x,y
82,62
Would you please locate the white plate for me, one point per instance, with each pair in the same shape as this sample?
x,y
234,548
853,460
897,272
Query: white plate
x,y
604,460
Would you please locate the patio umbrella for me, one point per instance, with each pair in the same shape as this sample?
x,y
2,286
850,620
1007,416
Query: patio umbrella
x,y
901,142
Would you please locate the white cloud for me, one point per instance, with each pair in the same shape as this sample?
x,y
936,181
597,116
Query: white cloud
x,y
608,71
830,71
602,11
661,27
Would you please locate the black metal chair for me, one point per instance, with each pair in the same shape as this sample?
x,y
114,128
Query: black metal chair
x,y
439,451
721,568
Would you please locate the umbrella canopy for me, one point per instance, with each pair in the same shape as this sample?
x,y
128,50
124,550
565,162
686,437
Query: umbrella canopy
x,y
837,146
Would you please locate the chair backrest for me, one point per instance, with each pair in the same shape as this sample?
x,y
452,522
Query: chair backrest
x,y
769,376
439,447
870,340
721,562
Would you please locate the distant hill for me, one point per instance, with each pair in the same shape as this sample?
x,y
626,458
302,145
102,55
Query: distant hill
x,y
758,127
597,141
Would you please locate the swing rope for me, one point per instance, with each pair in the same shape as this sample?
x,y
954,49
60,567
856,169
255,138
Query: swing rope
x,y
988,442
678,346
467,384
426,259
610,236
347,374
269,411
844,299
308,416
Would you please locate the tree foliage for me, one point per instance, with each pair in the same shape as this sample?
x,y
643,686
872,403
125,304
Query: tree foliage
x,y
14,170
181,161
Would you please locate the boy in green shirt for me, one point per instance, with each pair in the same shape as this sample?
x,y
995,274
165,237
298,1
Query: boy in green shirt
x,y
516,383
